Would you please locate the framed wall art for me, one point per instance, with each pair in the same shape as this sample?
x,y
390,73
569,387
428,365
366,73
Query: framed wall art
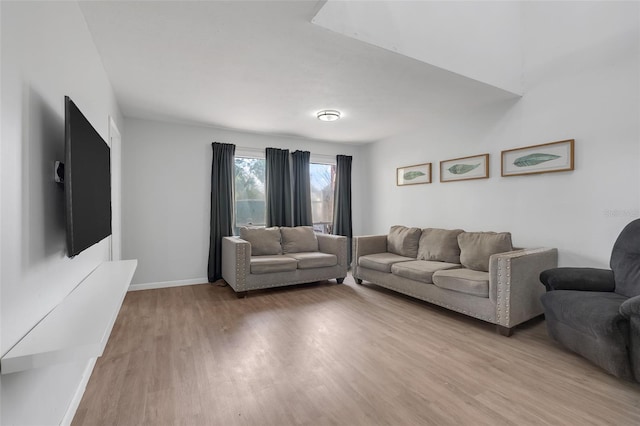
x,y
413,175
465,168
545,158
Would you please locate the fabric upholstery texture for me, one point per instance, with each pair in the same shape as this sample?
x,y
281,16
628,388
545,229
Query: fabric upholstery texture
x,y
421,270
586,279
439,245
298,239
264,241
625,260
382,261
314,259
467,281
477,247
403,241
590,323
270,264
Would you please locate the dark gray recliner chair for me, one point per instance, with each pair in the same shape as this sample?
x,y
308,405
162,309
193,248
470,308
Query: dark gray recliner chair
x,y
596,312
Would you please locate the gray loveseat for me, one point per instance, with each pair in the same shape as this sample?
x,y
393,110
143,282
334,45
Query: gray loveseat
x,y
475,273
279,256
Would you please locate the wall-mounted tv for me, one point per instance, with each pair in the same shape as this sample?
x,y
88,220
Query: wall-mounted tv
x,y
87,182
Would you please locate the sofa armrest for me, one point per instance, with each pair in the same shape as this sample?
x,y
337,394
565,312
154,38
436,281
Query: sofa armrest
x,y
334,244
368,244
585,279
236,257
514,285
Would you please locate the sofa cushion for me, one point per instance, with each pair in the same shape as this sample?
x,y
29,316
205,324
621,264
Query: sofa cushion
x,y
298,239
314,259
264,241
403,241
468,281
420,270
440,245
381,261
269,264
477,247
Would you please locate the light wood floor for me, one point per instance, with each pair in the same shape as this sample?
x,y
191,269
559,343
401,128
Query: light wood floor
x,y
329,354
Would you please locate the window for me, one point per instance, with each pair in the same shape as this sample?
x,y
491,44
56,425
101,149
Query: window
x,y
250,193
250,190
323,177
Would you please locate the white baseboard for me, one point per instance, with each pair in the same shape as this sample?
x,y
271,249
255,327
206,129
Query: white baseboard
x,y
77,397
165,284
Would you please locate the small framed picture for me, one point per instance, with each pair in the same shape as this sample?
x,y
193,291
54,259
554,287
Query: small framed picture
x,y
545,158
413,175
465,168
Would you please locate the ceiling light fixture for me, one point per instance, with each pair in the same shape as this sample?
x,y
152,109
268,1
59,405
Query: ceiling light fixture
x,y
328,115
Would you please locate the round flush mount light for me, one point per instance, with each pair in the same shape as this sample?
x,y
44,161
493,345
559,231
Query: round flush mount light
x,y
328,115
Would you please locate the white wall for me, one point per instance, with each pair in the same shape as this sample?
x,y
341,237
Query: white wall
x,y
582,81
167,194
47,53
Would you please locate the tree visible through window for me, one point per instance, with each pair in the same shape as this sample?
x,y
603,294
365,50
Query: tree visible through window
x,y
250,198
323,178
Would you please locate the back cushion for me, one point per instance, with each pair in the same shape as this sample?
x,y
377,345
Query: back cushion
x,y
299,239
440,245
403,241
264,241
625,260
477,247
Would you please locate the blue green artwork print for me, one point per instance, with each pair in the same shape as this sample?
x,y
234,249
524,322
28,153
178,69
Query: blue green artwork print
x,y
413,175
534,159
460,169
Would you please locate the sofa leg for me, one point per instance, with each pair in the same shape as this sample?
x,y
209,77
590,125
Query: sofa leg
x,y
504,331
241,294
340,280
358,281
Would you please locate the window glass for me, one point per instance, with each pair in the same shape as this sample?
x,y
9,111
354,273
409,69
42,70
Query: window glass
x,y
250,199
323,178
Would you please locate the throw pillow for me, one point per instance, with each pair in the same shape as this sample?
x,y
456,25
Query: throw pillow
x,y
440,245
403,241
264,241
299,239
477,247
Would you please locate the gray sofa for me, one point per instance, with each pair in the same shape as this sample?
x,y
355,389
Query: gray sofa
x,y
279,256
478,274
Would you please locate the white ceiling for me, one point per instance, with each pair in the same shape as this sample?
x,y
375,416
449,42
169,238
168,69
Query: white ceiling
x,y
264,67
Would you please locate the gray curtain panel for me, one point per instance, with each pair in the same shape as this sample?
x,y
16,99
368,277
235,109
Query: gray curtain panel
x,y
222,204
301,188
342,200
278,187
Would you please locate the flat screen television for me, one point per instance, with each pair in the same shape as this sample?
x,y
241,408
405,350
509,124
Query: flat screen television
x,y
87,182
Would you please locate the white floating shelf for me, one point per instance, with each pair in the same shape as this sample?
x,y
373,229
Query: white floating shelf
x,y
79,327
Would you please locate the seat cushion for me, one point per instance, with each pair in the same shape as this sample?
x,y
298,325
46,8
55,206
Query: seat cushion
x,y
420,270
269,264
381,261
594,313
314,259
468,281
403,241
477,247
298,239
264,241
440,245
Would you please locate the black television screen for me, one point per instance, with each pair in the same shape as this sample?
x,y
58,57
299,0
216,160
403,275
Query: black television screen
x,y
87,182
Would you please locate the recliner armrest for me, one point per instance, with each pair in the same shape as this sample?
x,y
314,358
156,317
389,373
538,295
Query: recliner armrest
x,y
584,279
630,307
